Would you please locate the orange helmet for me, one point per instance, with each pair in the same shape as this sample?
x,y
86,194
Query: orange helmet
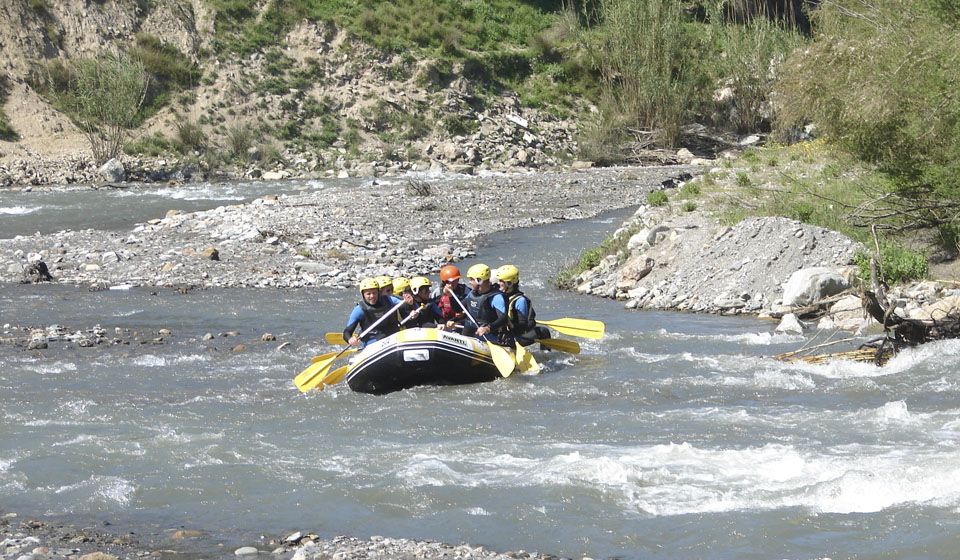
x,y
449,272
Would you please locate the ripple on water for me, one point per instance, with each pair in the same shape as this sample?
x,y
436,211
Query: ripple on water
x,y
96,492
18,210
754,339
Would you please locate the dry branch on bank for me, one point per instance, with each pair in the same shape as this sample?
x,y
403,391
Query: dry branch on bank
x,y
899,333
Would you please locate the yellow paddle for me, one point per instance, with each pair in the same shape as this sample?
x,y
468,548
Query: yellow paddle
x,y
334,338
337,338
316,359
583,328
501,356
568,346
526,363
306,374
315,373
336,376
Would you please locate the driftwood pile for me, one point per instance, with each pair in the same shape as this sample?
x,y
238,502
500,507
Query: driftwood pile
x,y
899,333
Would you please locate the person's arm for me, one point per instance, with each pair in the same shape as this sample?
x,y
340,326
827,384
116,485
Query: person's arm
x,y
352,323
500,308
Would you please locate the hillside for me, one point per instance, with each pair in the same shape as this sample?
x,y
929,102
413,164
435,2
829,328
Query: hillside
x,y
318,99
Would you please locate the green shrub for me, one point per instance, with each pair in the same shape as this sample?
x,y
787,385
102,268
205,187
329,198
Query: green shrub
x,y
190,137
657,198
688,206
802,212
615,244
6,129
649,78
459,125
103,95
898,265
880,81
690,189
743,179
169,70
152,146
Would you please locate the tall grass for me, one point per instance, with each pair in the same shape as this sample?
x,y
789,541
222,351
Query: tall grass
x,y
103,95
881,81
6,129
648,77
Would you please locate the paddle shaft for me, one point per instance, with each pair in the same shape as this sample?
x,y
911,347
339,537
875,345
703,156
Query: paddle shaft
x,y
376,323
322,371
498,354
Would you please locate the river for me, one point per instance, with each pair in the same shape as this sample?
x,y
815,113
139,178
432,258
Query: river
x,y
676,436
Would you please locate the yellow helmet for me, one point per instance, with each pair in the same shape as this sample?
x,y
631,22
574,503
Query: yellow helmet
x,y
400,284
418,282
508,273
384,281
369,284
480,271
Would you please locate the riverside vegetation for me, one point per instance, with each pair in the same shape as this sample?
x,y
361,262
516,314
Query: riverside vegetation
x,y
625,75
629,78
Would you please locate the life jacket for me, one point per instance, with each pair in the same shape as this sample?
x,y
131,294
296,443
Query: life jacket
x,y
518,324
371,314
481,308
449,308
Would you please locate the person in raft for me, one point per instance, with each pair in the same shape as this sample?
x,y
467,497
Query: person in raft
x,y
370,309
521,318
486,305
386,286
421,308
451,315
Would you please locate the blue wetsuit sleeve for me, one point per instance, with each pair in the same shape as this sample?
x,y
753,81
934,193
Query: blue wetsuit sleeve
x,y
522,306
352,322
499,303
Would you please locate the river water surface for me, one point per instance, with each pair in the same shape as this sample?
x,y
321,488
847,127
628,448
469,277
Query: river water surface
x,y
674,437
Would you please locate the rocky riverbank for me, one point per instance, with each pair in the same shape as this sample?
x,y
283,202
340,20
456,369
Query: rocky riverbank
x,y
32,539
330,237
769,266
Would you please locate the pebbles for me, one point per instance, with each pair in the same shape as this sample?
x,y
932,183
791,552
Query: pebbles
x,y
39,540
331,237
688,262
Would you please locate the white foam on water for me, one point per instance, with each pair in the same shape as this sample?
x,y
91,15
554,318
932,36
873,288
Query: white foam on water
x,y
772,379
113,490
51,368
122,287
80,439
204,191
680,479
152,360
754,339
19,210
478,511
462,469
130,313
149,360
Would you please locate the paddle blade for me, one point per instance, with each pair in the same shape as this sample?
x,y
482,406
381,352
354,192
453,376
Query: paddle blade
x,y
526,363
502,359
322,357
313,375
334,338
583,328
568,346
336,376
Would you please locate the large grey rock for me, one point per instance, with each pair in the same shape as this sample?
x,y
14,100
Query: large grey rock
x,y
810,285
113,171
789,324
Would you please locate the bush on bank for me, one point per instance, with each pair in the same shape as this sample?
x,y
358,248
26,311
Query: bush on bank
x,y
880,81
6,129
